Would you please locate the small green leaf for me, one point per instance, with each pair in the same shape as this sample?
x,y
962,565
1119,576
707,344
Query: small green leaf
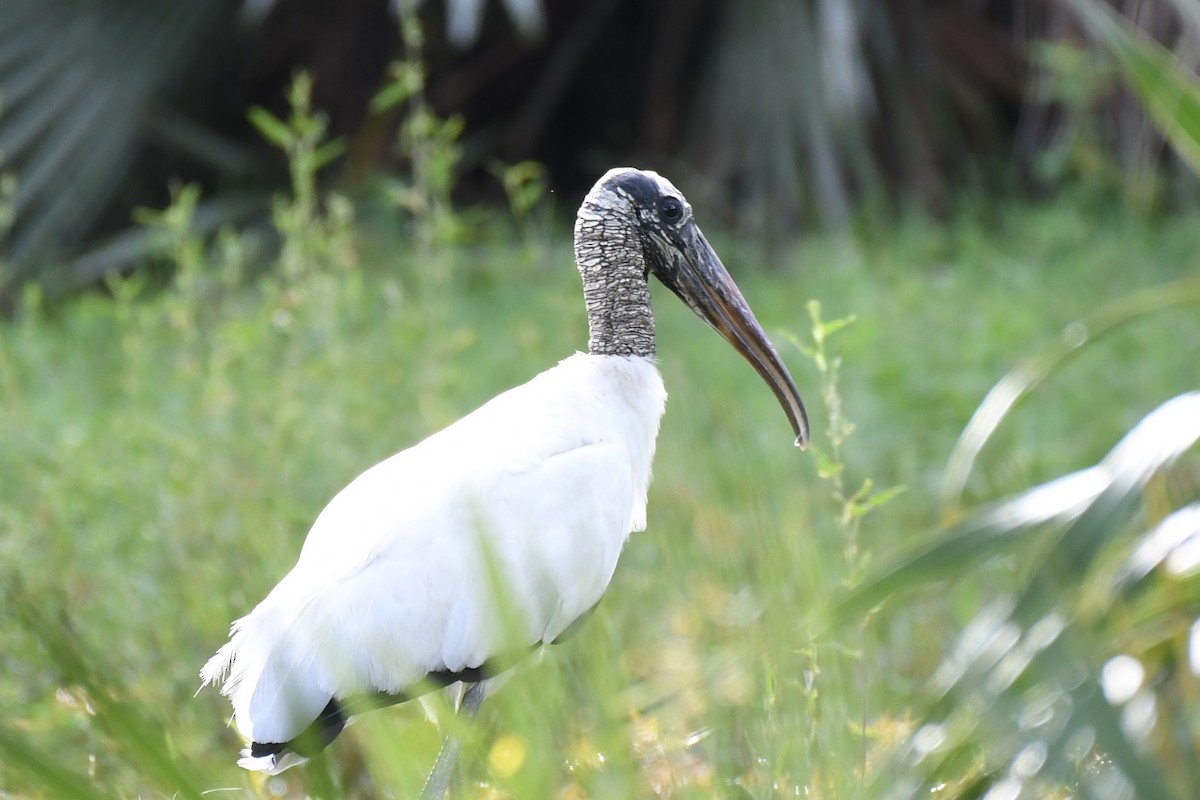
x,y
872,500
390,96
830,328
327,152
273,129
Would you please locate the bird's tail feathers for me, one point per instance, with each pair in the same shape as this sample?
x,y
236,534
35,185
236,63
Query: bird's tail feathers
x,y
267,671
216,669
272,764
219,670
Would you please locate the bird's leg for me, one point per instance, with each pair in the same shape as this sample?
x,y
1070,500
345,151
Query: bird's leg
x,y
443,768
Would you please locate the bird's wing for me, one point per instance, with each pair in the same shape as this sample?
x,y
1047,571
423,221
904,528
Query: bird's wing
x,y
498,531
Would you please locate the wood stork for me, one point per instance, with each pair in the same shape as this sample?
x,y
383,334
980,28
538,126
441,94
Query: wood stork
x,y
395,591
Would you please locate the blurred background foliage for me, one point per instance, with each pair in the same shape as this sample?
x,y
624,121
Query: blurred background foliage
x,y
781,115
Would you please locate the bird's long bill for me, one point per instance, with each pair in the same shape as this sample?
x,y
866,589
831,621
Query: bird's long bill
x,y
701,281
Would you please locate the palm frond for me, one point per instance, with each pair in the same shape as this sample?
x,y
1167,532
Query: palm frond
x,y
1079,122
1167,89
77,81
1029,697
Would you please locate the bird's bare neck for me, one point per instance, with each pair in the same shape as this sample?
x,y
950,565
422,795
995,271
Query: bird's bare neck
x,y
620,320
613,268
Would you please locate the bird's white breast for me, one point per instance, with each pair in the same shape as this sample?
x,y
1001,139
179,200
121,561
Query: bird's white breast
x,y
488,537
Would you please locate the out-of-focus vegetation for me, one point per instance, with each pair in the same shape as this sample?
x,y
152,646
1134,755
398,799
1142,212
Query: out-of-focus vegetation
x,y
1079,676
856,622
781,115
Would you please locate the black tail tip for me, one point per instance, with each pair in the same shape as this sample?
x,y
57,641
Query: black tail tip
x,y
315,738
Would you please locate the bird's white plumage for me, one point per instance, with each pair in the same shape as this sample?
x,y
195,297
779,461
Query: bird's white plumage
x,y
529,499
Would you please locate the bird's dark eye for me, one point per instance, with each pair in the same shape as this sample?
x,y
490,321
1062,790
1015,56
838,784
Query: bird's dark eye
x,y
670,209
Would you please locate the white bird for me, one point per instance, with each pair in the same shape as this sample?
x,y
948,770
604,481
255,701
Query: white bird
x,y
451,559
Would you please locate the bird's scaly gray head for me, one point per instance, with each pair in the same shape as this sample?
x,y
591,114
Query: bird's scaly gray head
x,y
634,223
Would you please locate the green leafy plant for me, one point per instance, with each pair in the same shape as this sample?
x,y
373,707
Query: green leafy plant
x,y
850,508
427,141
317,232
525,187
1072,76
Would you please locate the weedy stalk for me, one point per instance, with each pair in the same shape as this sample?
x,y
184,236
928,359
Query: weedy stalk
x,y
850,507
428,142
317,236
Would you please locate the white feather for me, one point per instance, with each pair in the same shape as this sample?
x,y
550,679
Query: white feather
x,y
537,491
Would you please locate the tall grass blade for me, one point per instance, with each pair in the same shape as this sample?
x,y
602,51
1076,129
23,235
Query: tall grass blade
x,y
1155,443
130,727
47,771
1005,395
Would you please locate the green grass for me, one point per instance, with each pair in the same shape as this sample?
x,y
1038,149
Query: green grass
x,y
162,455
